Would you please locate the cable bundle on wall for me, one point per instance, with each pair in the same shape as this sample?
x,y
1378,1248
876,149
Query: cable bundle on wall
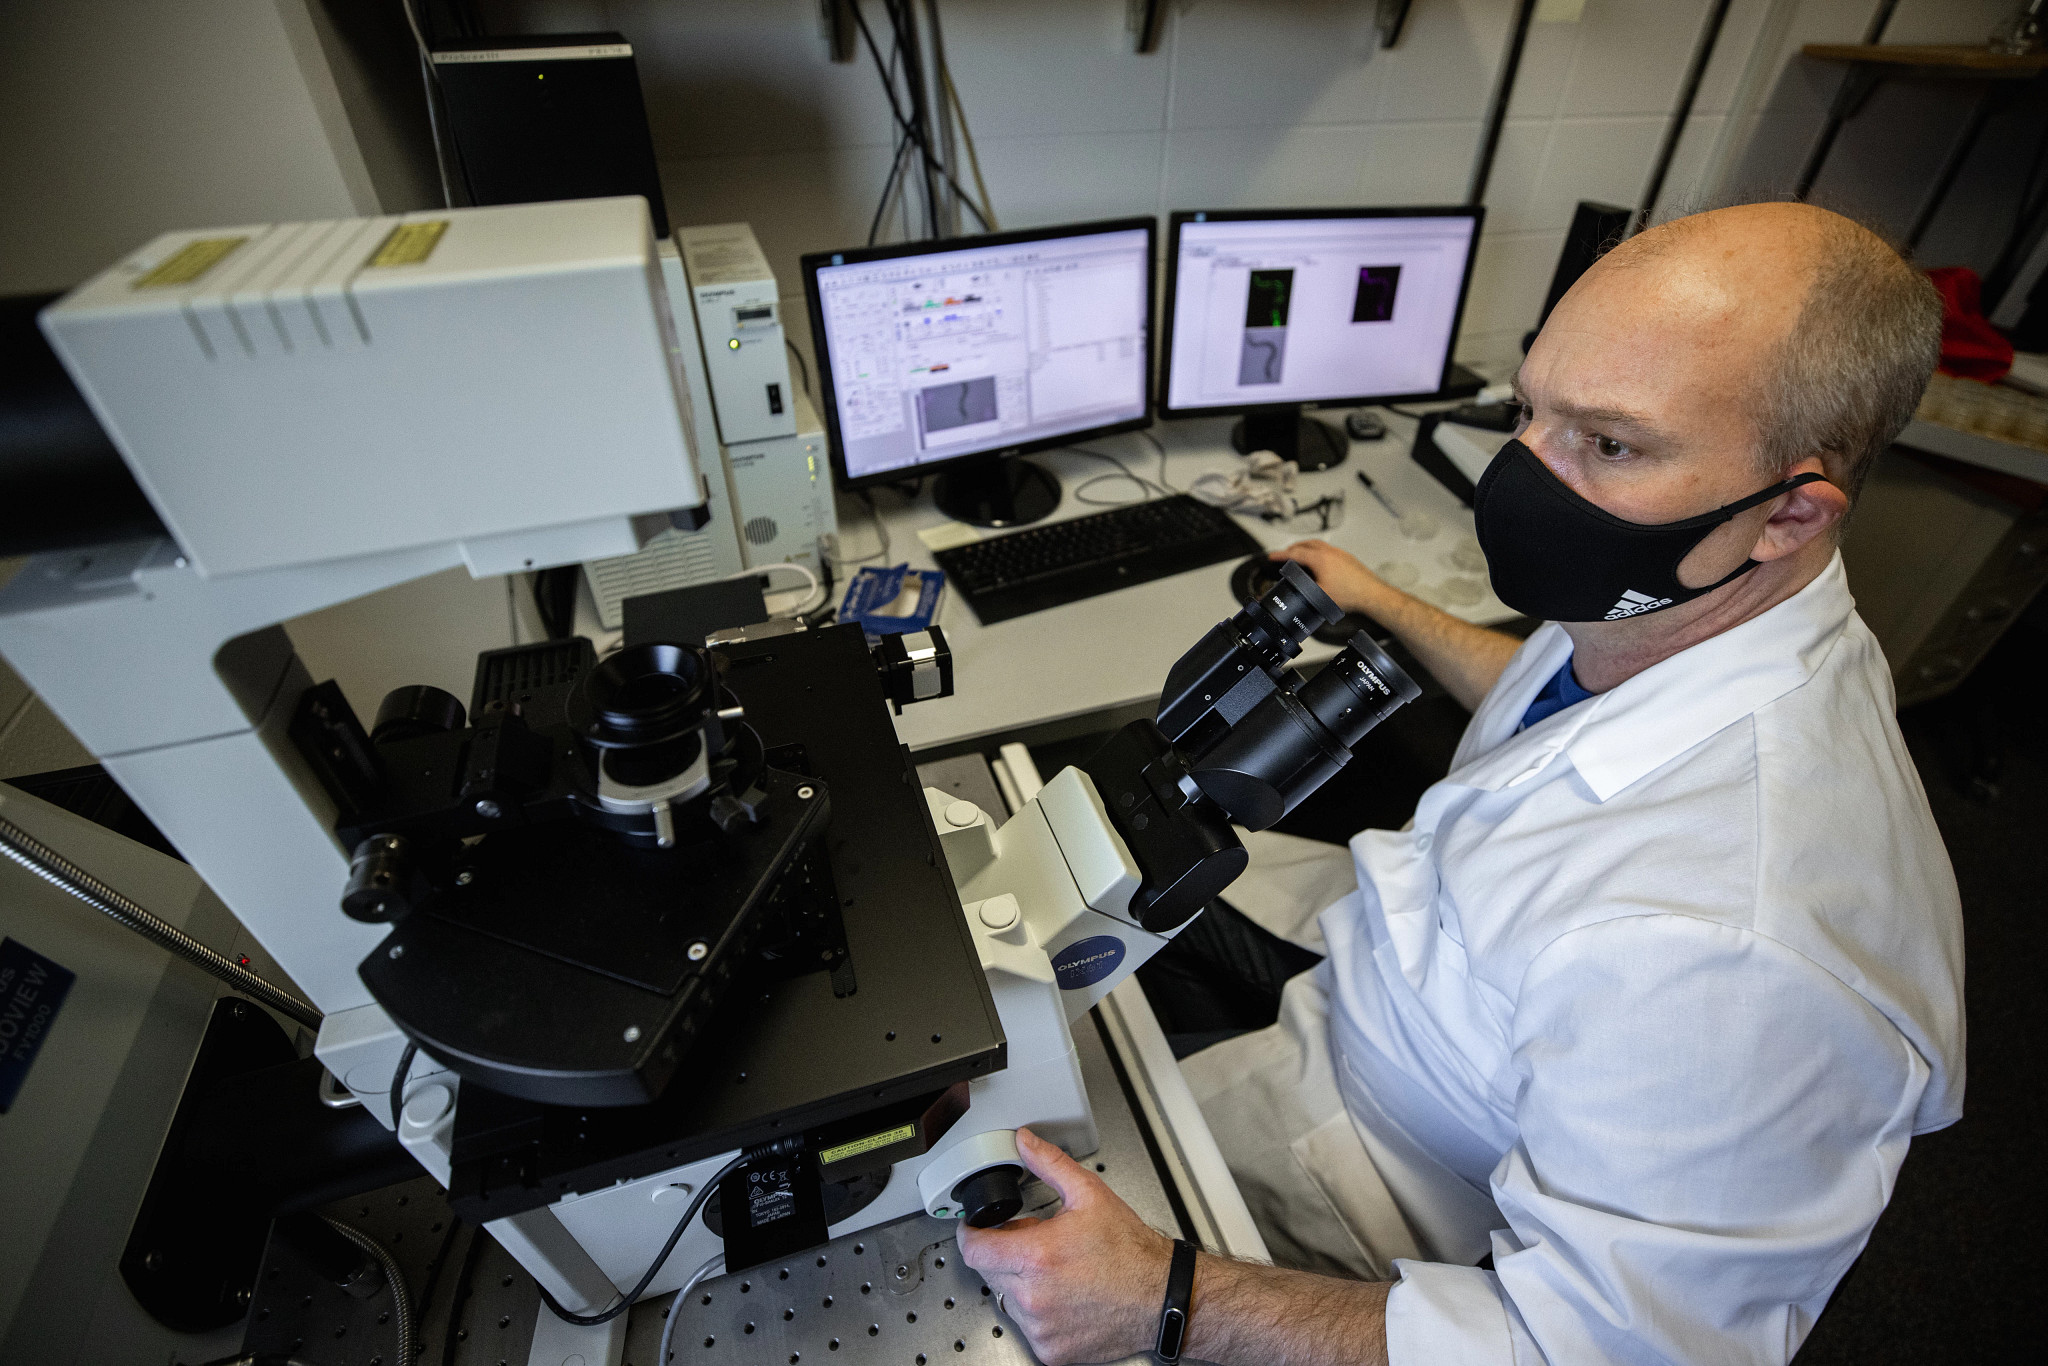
x,y
925,106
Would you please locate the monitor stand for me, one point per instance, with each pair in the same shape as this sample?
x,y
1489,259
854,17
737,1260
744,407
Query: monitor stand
x,y
993,491
1291,434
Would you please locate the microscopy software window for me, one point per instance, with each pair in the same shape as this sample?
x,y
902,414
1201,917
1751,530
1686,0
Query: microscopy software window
x,y
1286,311
957,352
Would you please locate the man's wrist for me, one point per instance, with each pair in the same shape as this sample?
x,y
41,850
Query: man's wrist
x,y
1252,1314
1171,1335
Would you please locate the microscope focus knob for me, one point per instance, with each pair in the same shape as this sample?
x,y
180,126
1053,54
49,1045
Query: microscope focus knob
x,y
979,1179
383,882
991,1196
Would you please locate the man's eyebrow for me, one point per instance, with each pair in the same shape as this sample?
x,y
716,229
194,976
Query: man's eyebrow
x,y
1594,415
1597,416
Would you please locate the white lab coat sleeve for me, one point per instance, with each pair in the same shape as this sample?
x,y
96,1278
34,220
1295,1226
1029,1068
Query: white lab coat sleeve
x,y
1709,1124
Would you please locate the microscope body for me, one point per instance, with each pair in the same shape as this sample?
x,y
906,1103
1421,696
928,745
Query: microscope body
x,y
934,1020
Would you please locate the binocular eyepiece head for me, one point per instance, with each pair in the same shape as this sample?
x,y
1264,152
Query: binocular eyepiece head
x,y
1257,737
1296,739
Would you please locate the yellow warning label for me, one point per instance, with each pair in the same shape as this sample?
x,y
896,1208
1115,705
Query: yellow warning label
x,y
189,262
827,1156
409,244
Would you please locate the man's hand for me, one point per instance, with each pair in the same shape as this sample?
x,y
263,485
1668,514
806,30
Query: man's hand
x,y
1339,573
1466,659
1084,1285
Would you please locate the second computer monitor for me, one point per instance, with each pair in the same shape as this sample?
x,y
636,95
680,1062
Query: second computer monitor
x,y
953,357
1269,311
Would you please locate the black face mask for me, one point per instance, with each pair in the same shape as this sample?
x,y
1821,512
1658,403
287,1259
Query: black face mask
x,y
1555,556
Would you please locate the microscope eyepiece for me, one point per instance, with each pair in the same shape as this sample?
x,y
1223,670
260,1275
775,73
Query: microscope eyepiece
x,y
1279,620
1357,690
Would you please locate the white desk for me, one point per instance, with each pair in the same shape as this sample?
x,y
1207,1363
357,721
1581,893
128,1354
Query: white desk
x,y
1110,652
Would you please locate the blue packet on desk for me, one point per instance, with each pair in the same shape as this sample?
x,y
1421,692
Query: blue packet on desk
x,y
888,602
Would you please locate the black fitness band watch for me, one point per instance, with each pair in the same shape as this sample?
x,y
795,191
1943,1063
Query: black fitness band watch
x,y
1173,1315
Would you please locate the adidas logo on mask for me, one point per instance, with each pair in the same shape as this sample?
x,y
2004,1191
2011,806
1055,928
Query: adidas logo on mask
x,y
1633,603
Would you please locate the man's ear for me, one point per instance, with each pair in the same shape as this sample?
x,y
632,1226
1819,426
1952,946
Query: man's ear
x,y
1800,516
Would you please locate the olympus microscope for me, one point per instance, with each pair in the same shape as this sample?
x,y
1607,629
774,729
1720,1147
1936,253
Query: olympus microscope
x,y
614,942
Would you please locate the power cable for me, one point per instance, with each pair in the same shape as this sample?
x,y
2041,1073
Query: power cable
x,y
904,21
803,366
913,133
886,72
675,1306
470,1257
948,153
1160,446
436,98
812,587
881,532
1123,472
435,1267
781,1147
888,189
895,161
398,1080
987,211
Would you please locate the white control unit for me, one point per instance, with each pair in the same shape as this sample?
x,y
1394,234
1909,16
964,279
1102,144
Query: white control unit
x,y
768,500
678,558
739,316
782,494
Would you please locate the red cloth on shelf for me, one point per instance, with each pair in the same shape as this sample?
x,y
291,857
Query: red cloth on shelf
x,y
1970,346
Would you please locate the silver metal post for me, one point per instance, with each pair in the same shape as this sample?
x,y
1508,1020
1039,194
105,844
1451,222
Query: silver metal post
x,y
17,845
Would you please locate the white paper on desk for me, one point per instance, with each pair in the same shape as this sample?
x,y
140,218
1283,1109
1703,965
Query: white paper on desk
x,y
905,603
946,535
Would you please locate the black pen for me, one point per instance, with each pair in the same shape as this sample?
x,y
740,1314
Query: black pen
x,y
1373,489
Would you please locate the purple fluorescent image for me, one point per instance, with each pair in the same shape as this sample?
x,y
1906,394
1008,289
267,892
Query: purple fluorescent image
x,y
1375,300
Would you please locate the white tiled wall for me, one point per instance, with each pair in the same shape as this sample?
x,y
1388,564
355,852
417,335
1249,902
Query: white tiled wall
x,y
1889,150
1247,103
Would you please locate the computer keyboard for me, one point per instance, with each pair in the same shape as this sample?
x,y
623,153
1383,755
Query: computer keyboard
x,y
1061,562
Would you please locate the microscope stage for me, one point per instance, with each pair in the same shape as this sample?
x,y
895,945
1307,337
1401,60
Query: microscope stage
x,y
796,1056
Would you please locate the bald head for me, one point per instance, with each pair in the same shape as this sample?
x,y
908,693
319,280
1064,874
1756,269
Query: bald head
x,y
1807,323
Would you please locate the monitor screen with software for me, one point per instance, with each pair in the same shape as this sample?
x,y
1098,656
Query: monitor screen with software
x,y
1275,309
947,357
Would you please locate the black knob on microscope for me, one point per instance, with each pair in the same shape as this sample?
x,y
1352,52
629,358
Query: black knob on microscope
x,y
991,1196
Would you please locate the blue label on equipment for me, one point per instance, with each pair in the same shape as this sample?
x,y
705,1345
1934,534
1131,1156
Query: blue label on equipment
x,y
1085,962
31,990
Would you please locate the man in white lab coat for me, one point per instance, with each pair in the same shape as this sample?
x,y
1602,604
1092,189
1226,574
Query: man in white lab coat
x,y
1618,1047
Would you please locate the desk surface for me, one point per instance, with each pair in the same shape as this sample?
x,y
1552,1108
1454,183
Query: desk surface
x,y
1113,651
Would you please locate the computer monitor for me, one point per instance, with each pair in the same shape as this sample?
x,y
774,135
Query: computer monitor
x,y
952,358
1270,311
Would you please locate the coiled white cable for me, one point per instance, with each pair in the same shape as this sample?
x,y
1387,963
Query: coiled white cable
x,y
813,589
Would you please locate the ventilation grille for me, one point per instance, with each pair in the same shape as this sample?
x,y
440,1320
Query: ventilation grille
x,y
673,559
520,672
761,530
